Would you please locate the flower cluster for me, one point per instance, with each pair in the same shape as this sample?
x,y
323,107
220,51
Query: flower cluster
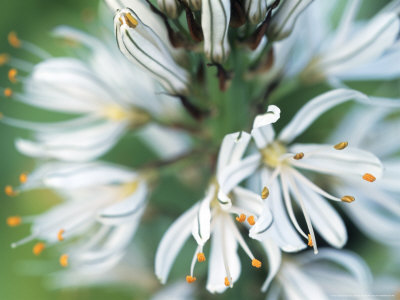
x,y
270,191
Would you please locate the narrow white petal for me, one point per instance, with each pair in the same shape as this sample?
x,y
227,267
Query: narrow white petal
x,y
274,262
202,223
172,242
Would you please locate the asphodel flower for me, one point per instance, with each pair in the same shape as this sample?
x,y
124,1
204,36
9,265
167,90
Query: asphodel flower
x,y
96,222
218,216
279,158
169,7
103,91
326,276
215,17
377,214
256,10
142,45
285,17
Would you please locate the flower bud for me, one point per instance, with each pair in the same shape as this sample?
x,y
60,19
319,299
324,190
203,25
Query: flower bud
x,y
215,17
283,20
169,7
141,45
194,4
256,10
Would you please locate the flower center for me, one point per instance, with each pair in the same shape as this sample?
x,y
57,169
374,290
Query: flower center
x,y
272,153
117,113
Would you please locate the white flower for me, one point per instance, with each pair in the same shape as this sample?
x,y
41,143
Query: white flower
x,y
377,213
98,218
142,45
212,218
279,157
329,275
102,90
215,17
284,19
355,50
170,7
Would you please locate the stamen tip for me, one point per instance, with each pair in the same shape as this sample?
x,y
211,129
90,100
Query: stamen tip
x,y
369,177
60,235
14,221
241,218
341,146
38,248
201,257
298,156
64,260
265,193
12,75
14,40
251,220
348,199
310,241
23,178
7,91
256,263
190,279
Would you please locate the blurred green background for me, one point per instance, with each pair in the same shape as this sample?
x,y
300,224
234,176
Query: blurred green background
x,y
33,21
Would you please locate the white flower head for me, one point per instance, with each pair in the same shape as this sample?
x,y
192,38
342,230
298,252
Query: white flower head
x,y
96,222
211,218
329,275
215,17
279,158
100,92
378,212
141,45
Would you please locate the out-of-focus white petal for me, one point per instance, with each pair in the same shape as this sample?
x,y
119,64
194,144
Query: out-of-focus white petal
x,y
172,242
274,262
256,10
202,222
215,17
326,159
176,291
223,250
170,7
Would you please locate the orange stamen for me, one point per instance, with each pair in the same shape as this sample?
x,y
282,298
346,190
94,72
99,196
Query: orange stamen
x,y
241,218
64,260
310,242
130,20
8,92
60,235
251,220
14,221
4,58
190,279
38,248
256,263
23,178
348,199
298,156
10,191
369,177
227,283
341,145
201,257
12,75
265,193
14,40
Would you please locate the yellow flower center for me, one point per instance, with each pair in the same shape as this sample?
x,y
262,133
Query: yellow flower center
x,y
117,113
272,153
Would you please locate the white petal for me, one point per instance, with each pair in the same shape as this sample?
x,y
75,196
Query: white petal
x,y
324,217
223,247
172,242
215,17
232,149
347,162
202,222
262,132
274,262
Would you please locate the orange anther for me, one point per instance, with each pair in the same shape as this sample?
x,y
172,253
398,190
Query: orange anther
x,y
251,220
60,235
201,257
241,218
341,145
10,191
8,92
256,263
130,20
369,177
298,156
12,75
14,40
14,221
227,283
23,178
38,248
265,193
190,279
64,260
310,241
4,58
